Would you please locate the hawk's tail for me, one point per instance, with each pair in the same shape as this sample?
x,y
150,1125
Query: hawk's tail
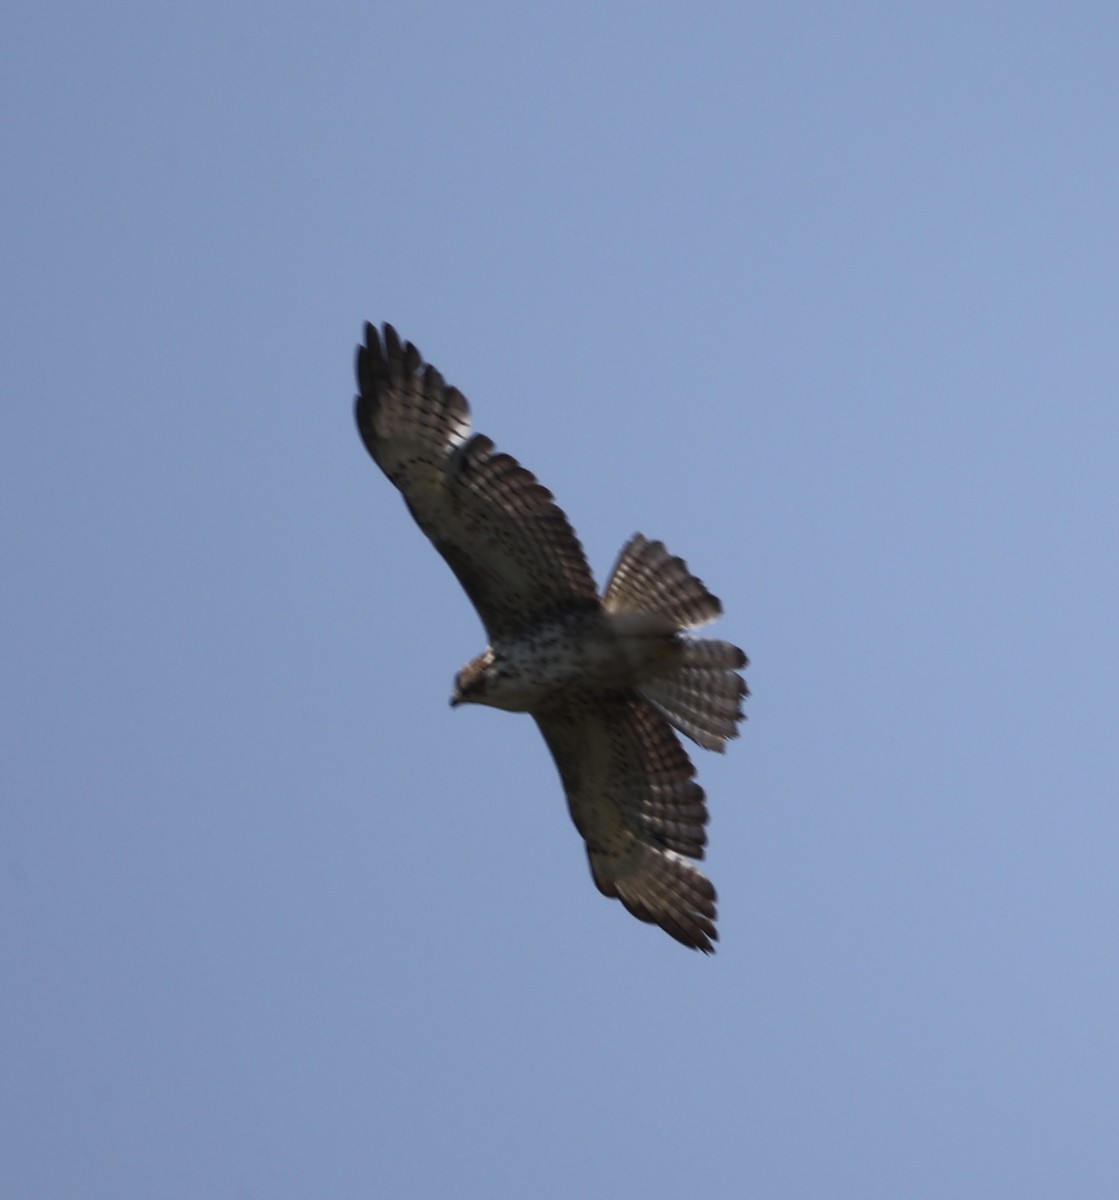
x,y
701,693
647,579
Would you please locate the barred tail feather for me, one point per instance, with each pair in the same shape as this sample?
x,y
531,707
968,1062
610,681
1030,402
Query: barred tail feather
x,y
700,693
647,579
710,654
702,703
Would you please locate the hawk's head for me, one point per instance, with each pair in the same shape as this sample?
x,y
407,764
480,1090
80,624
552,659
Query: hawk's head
x,y
498,680
472,683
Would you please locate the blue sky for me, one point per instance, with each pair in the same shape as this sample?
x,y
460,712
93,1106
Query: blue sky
x,y
826,297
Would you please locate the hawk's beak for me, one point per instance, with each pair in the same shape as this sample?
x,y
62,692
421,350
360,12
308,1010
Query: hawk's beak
x,y
454,701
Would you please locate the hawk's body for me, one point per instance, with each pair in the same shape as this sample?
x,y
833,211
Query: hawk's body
x,y
605,678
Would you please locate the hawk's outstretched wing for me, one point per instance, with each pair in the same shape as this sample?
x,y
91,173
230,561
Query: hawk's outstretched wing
x,y
632,793
499,529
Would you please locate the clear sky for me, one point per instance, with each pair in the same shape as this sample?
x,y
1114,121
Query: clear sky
x,y
824,295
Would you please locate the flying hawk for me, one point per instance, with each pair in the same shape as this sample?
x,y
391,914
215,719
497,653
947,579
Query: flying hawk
x,y
606,678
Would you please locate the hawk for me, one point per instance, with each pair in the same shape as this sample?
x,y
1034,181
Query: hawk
x,y
607,678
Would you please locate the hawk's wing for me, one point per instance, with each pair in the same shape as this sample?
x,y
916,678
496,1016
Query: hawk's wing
x,y
499,529
633,797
